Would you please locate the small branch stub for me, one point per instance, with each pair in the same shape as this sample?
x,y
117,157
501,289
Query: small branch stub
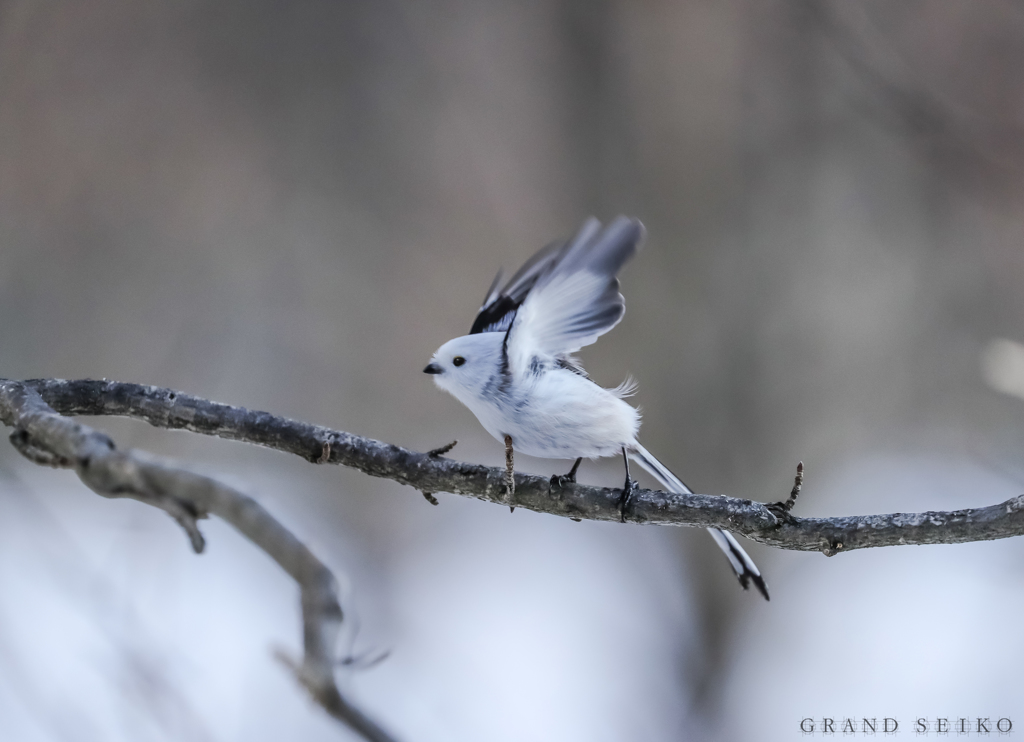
x,y
325,452
831,547
798,482
438,452
781,510
435,453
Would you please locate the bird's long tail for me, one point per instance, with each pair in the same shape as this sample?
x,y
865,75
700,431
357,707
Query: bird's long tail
x,y
742,564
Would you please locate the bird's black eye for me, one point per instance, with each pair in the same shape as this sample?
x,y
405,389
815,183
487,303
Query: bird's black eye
x,y
458,361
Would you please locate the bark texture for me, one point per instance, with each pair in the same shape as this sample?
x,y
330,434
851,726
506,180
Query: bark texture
x,y
428,472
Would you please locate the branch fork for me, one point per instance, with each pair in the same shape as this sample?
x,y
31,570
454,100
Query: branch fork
x,y
48,438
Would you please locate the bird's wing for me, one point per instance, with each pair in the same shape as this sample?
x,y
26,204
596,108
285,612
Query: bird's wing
x,y
575,298
500,304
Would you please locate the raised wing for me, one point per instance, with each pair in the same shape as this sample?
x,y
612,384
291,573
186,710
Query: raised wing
x,y
575,298
499,307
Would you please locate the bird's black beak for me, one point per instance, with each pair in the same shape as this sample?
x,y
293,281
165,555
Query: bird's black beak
x,y
432,368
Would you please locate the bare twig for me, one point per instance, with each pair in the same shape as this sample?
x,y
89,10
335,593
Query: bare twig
x,y
781,510
435,453
47,437
167,409
798,482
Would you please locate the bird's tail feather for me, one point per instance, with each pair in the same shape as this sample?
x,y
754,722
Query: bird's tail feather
x,y
742,564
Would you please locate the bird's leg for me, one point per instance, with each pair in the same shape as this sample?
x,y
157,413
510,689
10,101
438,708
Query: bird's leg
x,y
627,490
560,480
510,482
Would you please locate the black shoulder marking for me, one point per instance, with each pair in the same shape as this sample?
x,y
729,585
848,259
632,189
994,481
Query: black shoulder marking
x,y
504,372
496,317
500,306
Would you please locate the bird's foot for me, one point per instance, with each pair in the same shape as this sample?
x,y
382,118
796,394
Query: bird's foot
x,y
563,480
628,490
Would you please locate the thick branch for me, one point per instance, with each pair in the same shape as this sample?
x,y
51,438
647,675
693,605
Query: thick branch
x,y
168,409
44,436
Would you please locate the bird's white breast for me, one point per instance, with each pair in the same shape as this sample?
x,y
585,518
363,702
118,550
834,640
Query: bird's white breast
x,y
558,414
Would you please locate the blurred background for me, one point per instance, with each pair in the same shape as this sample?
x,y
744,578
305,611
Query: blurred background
x,y
289,206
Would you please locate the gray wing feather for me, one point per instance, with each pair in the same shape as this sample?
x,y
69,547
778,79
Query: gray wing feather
x,y
500,306
576,299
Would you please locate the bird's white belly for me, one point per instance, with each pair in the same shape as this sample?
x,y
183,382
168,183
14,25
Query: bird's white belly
x,y
562,415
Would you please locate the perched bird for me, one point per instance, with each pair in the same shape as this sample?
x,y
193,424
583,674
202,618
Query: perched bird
x,y
515,372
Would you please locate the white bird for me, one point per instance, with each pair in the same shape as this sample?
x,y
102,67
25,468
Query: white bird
x,y
515,372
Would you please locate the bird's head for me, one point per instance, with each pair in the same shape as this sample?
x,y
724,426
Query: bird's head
x,y
464,366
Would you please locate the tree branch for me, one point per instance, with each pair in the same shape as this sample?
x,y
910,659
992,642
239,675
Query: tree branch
x,y
45,437
164,408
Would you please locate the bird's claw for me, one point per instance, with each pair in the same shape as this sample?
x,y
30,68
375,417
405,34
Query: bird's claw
x,y
561,481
